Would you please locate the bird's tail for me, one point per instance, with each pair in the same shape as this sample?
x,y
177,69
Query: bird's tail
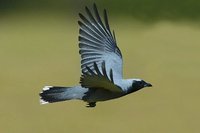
x,y
51,94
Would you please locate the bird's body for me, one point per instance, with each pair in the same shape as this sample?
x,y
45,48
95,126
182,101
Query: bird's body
x,y
101,64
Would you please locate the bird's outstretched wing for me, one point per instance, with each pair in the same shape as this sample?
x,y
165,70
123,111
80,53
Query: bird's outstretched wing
x,y
97,79
97,44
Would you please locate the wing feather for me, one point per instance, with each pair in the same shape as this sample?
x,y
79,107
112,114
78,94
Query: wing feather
x,y
98,44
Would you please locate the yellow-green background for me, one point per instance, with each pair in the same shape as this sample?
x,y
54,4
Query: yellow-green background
x,y
160,42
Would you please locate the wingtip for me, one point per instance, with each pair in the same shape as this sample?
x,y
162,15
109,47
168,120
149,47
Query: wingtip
x,y
94,6
104,10
80,15
79,22
105,13
86,8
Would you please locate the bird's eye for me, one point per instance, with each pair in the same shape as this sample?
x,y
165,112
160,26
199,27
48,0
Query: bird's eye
x,y
141,83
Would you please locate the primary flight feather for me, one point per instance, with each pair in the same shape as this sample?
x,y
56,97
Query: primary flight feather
x,y
101,65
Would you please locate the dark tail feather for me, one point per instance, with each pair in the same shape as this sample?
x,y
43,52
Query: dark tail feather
x,y
52,94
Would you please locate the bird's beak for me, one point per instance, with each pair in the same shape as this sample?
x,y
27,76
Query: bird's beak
x,y
148,85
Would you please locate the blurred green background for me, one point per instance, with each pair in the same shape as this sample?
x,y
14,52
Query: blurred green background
x,y
160,42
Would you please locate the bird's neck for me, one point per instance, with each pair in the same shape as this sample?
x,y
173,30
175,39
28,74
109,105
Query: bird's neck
x,y
127,85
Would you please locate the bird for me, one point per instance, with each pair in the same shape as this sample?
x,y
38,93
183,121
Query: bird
x,y
101,65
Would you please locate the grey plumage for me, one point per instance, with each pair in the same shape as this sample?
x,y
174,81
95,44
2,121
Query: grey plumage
x,y
101,65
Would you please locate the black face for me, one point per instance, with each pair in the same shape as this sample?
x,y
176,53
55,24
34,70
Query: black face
x,y
137,85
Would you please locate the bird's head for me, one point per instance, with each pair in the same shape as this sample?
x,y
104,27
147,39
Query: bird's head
x,y
138,84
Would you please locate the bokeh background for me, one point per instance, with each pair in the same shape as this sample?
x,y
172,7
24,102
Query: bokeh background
x,y
160,42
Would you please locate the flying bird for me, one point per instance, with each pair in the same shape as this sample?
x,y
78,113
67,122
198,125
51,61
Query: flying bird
x,y
101,65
